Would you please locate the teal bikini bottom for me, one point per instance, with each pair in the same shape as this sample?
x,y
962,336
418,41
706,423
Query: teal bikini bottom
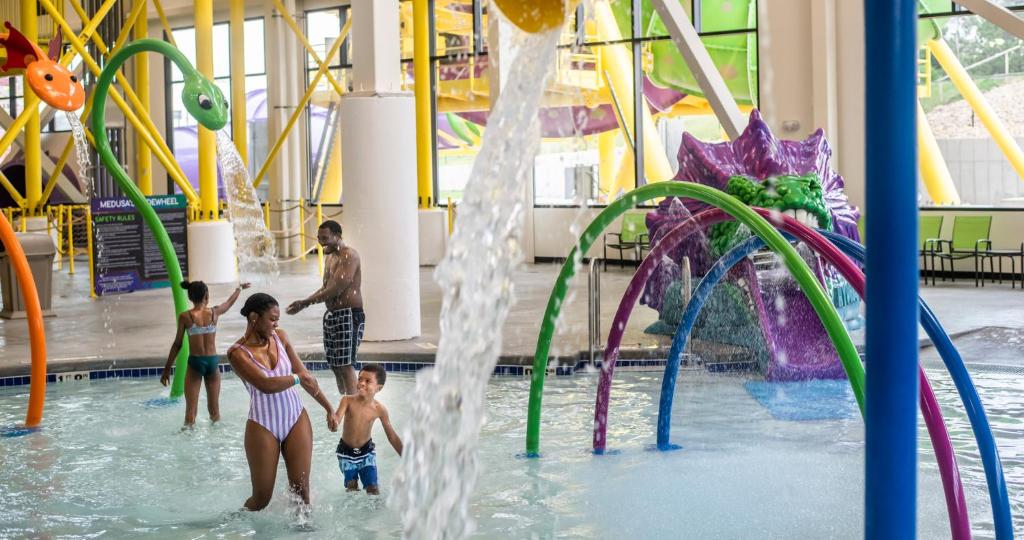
x,y
204,365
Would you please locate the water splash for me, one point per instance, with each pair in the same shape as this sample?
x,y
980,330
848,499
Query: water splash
x,y
439,464
81,153
254,245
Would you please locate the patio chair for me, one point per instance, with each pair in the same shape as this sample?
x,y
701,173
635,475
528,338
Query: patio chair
x,y
929,231
970,241
631,237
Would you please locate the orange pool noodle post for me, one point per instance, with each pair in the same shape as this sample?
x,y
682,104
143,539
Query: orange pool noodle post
x,y
535,16
36,333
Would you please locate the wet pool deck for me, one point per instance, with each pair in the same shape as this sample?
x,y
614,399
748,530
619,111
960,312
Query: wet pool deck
x,y
135,330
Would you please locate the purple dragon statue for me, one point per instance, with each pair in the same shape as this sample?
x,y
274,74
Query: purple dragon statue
x,y
792,177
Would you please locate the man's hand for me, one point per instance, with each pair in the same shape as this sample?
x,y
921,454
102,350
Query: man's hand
x,y
296,307
332,421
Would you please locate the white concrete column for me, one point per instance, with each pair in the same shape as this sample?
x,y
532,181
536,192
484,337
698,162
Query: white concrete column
x,y
295,87
379,155
786,75
280,74
823,68
849,153
501,52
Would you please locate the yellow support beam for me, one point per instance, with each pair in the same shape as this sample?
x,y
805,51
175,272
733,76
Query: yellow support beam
x,y
154,139
934,172
33,103
239,122
619,75
309,48
208,207
163,22
424,122
973,96
33,141
302,104
143,158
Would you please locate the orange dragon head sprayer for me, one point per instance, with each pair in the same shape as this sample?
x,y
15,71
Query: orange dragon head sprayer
x,y
52,82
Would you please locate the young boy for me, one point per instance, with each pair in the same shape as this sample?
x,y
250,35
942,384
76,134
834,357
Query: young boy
x,y
356,456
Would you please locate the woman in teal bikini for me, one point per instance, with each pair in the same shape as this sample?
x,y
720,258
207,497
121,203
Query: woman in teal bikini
x,y
200,323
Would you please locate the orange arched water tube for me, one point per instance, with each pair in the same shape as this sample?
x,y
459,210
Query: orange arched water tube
x,y
36,333
537,15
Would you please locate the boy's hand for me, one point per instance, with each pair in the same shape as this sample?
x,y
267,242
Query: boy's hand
x,y
332,421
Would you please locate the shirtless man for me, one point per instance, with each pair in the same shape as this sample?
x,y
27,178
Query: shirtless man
x,y
344,319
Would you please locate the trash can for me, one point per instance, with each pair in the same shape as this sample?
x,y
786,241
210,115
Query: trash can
x,y
39,250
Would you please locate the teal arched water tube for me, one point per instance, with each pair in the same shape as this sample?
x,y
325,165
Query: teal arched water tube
x,y
801,272
205,102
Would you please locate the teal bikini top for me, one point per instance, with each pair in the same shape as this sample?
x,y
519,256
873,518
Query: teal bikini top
x,y
196,330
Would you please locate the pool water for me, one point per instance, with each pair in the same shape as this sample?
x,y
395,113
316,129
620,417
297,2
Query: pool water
x,y
109,465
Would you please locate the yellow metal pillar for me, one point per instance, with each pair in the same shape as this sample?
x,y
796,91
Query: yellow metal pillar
x,y
618,64
934,172
208,206
424,125
143,156
606,164
239,122
972,95
33,143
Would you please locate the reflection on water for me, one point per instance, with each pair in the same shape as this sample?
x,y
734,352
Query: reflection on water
x,y
105,461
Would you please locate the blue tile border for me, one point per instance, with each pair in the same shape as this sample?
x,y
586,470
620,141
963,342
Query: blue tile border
x,y
563,370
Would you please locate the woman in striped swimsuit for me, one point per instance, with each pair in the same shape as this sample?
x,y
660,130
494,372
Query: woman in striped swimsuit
x,y
200,323
278,424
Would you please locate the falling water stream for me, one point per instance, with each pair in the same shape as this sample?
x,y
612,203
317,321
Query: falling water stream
x,y
439,465
81,154
254,245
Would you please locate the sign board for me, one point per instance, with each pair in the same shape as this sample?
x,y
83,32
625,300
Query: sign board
x,y
125,255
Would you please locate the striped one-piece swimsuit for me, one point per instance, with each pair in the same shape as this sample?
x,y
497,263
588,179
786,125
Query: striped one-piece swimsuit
x,y
275,412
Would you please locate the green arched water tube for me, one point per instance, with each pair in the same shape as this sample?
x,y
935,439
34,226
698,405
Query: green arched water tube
x,y
205,102
801,272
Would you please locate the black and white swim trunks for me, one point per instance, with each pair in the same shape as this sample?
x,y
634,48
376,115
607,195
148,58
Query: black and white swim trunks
x,y
343,332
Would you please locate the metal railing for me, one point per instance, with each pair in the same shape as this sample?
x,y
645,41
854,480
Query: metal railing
x,y
594,310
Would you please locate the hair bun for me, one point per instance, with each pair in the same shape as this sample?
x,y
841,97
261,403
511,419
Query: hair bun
x,y
185,284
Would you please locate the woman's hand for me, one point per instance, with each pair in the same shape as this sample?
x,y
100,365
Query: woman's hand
x,y
332,421
165,377
243,286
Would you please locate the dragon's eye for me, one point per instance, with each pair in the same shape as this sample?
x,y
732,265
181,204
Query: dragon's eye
x,y
48,77
205,102
74,79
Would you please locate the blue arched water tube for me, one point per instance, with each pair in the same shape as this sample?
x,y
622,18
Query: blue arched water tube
x,y
1002,518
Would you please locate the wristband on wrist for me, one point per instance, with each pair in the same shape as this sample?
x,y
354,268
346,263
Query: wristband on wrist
x,y
295,378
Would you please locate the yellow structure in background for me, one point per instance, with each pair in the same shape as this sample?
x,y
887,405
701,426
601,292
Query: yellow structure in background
x,y
619,69
424,110
143,158
208,197
934,172
958,75
239,120
33,144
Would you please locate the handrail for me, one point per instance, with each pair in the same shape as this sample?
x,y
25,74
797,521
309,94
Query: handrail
x,y
594,309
